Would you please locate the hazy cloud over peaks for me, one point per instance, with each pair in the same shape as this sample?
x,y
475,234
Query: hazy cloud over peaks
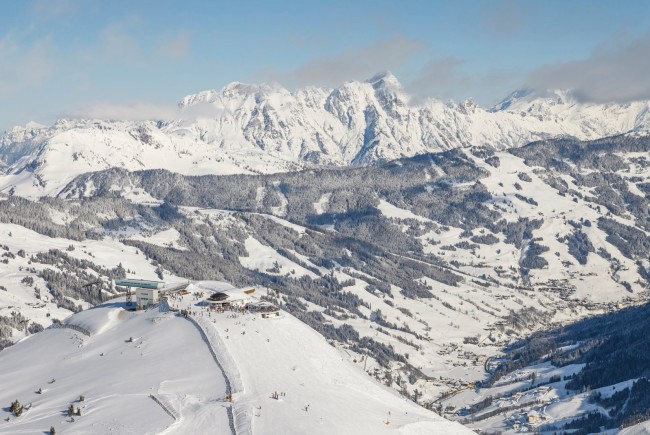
x,y
613,73
128,112
357,64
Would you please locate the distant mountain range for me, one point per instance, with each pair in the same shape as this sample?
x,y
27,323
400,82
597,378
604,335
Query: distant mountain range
x,y
266,128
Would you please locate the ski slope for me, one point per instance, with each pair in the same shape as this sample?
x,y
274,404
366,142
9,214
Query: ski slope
x,y
167,358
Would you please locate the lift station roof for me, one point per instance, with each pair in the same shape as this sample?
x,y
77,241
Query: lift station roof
x,y
139,283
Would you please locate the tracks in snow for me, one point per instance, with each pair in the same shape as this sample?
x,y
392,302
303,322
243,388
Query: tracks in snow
x,y
204,336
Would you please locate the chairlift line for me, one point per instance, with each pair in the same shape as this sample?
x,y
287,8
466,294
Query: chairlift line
x,y
92,283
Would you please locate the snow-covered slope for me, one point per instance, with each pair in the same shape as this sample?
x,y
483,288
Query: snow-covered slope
x,y
440,257
266,128
167,358
637,429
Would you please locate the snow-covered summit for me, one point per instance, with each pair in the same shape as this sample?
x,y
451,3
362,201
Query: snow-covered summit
x,y
384,79
511,99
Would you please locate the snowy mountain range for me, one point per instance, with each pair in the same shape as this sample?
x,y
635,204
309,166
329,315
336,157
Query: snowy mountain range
x,y
266,128
420,270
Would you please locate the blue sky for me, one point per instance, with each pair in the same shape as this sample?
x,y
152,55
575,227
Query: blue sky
x,y
138,58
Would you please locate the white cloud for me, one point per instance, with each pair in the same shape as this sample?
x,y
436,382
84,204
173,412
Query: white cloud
x,y
505,18
54,9
116,42
23,66
128,112
440,78
356,64
140,111
449,78
120,44
176,47
613,73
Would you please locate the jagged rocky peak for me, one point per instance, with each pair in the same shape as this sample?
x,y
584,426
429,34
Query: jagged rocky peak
x,y
18,132
236,91
194,99
514,97
543,102
389,90
384,79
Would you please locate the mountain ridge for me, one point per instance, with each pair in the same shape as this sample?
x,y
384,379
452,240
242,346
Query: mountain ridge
x,y
247,128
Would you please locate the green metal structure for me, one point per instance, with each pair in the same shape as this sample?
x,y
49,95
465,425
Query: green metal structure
x,y
141,283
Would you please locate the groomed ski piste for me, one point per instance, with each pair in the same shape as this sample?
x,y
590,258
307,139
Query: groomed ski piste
x,y
153,372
